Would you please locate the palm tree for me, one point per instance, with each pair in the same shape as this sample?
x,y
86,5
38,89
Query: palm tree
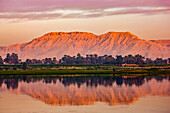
x,y
119,59
1,60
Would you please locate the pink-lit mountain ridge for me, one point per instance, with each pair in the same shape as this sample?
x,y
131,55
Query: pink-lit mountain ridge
x,y
57,44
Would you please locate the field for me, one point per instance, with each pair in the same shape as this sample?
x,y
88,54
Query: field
x,y
82,69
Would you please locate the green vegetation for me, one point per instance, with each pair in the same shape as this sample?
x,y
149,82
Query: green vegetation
x,y
79,71
62,69
119,60
91,64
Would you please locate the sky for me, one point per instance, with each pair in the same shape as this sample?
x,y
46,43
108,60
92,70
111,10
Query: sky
x,y
23,20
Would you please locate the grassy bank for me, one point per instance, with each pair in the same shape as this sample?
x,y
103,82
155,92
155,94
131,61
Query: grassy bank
x,y
78,66
60,72
58,69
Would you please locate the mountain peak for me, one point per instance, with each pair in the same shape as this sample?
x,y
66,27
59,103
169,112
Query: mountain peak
x,y
67,33
120,34
87,33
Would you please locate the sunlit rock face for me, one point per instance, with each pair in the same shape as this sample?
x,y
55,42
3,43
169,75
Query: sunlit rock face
x,y
162,42
58,44
86,91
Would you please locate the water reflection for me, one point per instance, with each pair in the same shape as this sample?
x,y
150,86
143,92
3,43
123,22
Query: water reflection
x,y
87,90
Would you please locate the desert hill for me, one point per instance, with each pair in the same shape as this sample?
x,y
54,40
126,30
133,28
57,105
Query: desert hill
x,y
57,44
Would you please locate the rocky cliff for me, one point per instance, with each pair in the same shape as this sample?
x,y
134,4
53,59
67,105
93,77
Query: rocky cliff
x,y
57,44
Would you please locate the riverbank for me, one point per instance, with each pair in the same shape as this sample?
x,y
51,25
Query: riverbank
x,y
67,71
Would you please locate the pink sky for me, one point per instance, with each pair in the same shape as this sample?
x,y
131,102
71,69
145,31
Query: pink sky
x,y
23,20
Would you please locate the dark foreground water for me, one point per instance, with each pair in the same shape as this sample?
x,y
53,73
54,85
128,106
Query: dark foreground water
x,y
113,94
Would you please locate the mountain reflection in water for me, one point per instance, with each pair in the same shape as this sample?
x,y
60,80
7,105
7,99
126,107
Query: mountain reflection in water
x,y
87,90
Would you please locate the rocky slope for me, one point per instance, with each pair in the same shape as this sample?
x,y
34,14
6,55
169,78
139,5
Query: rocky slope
x,y
162,42
57,44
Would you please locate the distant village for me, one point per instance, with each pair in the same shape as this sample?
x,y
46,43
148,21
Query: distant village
x,y
119,60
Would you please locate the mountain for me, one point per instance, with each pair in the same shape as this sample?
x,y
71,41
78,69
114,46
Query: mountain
x,y
57,44
162,42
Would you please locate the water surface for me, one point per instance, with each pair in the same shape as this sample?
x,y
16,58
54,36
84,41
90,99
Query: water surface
x,y
85,94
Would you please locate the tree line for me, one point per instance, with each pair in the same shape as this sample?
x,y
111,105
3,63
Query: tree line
x,y
88,59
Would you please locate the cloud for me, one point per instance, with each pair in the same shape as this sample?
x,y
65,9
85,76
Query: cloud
x,y
52,9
